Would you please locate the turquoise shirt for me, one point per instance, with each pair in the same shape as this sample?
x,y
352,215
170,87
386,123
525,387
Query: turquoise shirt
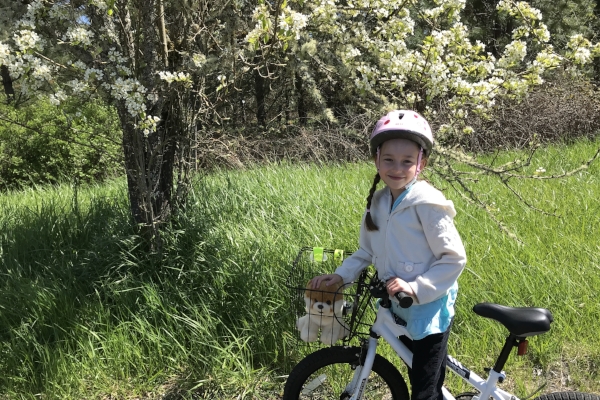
x,y
425,319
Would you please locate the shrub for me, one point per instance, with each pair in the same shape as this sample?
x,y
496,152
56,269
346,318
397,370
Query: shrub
x,y
39,144
298,144
562,110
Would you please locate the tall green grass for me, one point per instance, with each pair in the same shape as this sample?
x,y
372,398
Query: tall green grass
x,y
85,312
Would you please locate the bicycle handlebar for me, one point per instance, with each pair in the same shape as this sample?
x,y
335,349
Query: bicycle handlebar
x,y
404,299
379,291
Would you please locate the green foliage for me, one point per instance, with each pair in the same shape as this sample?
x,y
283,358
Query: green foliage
x,y
9,12
86,312
563,18
40,144
566,18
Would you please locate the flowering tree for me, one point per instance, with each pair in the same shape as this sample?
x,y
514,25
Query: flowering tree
x,y
406,54
173,69
401,53
119,51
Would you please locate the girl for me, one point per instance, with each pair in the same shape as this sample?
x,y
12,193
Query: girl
x,y
408,234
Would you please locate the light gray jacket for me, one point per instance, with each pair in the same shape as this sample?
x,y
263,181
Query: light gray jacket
x,y
416,242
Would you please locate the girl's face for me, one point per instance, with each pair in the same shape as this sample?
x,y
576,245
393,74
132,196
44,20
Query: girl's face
x,y
397,163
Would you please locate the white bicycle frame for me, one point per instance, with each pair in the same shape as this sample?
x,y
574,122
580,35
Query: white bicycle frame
x,y
386,327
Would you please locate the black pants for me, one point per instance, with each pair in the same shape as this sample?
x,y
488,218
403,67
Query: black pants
x,y
429,365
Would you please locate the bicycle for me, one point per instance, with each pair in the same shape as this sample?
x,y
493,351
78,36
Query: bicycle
x,y
351,372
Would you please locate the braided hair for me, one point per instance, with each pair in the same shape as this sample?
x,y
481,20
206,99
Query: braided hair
x,y
371,226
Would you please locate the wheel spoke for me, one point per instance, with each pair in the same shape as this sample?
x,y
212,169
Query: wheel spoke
x,y
331,381
314,384
328,374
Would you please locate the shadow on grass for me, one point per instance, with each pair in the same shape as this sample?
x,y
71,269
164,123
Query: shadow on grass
x,y
81,296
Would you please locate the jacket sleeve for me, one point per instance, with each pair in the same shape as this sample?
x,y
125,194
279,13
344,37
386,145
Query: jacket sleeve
x,y
448,249
359,260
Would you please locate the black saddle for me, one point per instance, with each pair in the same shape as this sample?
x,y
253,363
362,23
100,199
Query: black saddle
x,y
520,321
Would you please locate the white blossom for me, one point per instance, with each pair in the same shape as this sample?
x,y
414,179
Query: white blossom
x,y
80,65
42,72
26,39
116,56
171,77
29,19
131,91
148,124
582,55
78,35
514,53
198,59
58,97
59,11
5,56
77,86
93,74
101,4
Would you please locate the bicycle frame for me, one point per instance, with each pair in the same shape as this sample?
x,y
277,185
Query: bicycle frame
x,y
386,328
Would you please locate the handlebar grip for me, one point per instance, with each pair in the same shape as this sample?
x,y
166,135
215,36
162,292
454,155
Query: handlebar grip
x,y
404,299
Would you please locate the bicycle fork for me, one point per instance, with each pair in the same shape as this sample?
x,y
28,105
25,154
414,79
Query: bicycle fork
x,y
381,328
356,387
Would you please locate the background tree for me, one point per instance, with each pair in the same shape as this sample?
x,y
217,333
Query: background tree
x,y
178,71
9,12
121,52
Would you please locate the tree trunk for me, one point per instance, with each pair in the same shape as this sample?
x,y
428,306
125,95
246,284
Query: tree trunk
x,y
134,165
7,83
302,113
148,156
149,163
597,59
259,87
163,190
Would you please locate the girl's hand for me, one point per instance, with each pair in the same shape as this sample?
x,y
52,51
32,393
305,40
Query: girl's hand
x,y
330,279
395,285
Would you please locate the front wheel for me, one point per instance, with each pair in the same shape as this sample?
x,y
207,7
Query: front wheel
x,y
326,373
568,396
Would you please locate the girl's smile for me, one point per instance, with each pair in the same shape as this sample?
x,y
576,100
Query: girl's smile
x,y
397,164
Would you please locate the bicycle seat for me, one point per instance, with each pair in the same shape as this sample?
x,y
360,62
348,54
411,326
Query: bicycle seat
x,y
520,321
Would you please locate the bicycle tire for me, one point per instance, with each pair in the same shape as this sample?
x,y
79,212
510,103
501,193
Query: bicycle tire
x,y
568,396
336,365
465,396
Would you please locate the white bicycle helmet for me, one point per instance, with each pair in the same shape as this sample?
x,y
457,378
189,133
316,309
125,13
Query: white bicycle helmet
x,y
402,124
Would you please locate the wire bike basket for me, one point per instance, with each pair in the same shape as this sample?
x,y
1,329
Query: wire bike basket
x,y
343,309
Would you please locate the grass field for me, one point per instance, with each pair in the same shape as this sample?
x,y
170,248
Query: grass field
x,y
85,312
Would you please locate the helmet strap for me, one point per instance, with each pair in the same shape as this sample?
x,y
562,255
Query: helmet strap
x,y
414,180
419,159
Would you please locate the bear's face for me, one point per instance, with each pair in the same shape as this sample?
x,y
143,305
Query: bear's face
x,y
325,301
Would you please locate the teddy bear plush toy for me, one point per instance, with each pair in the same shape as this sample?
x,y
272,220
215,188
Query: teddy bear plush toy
x,y
324,307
